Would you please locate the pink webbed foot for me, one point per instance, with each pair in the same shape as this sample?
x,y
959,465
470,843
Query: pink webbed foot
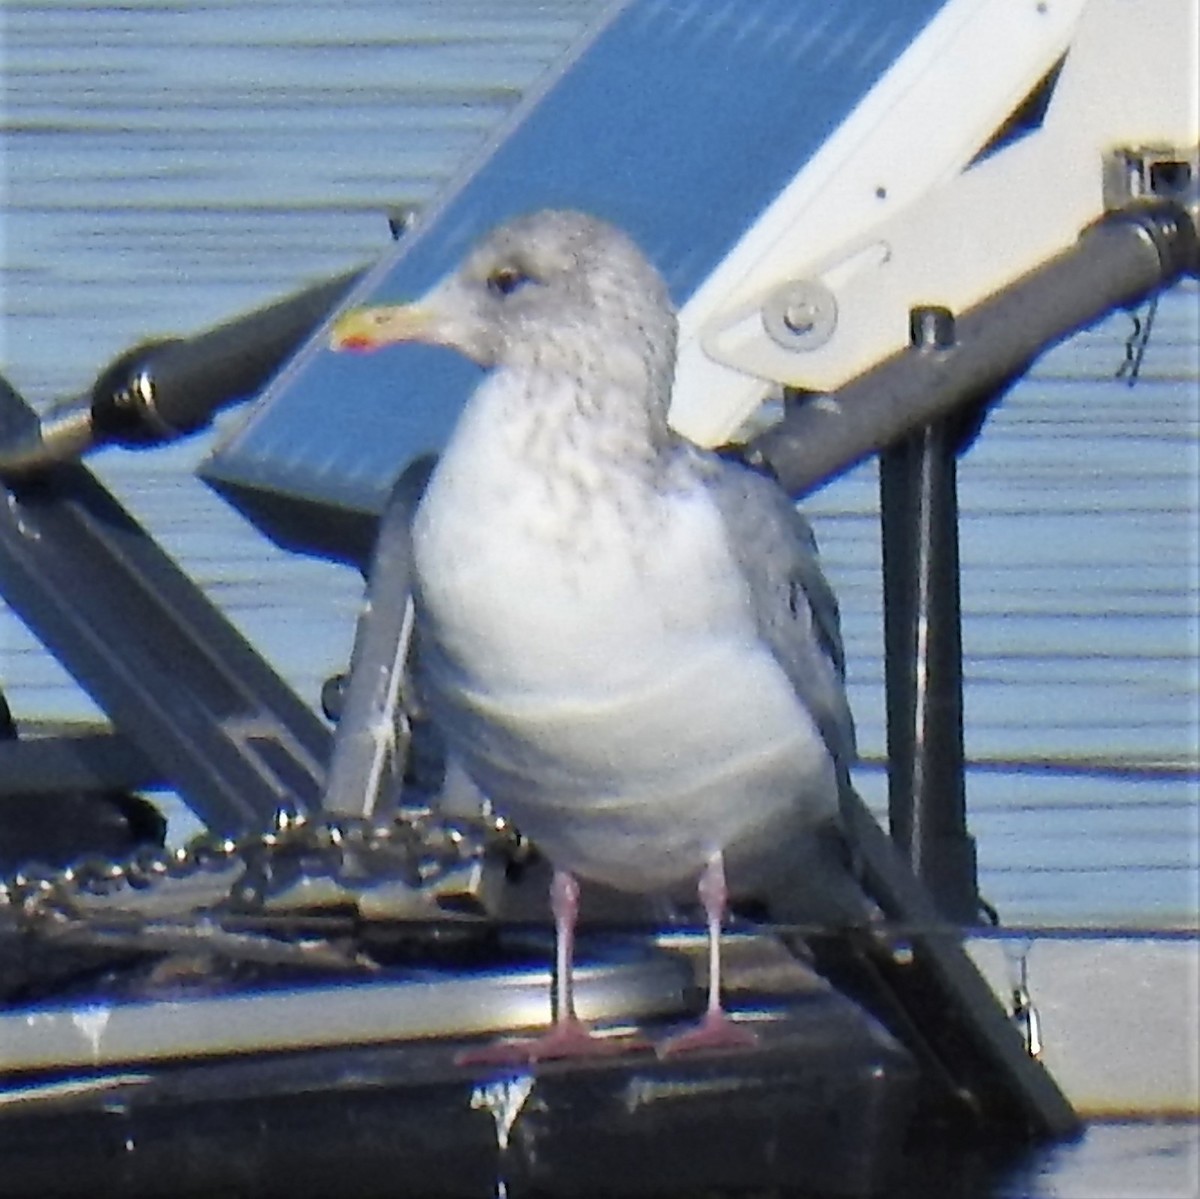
x,y
715,1031
567,1039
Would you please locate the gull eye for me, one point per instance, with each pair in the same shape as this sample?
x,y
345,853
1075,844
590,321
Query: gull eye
x,y
504,280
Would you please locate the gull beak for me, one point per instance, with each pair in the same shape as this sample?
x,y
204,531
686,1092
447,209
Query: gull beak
x,y
364,329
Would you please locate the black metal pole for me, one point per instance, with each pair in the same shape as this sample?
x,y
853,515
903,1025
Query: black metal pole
x,y
923,651
165,389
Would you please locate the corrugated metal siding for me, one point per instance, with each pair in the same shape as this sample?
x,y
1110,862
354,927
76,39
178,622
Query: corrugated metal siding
x,y
167,164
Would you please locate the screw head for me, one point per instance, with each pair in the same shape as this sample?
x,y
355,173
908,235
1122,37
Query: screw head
x,y
800,315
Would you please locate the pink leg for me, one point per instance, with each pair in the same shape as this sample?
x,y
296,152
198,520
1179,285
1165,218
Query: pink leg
x,y
716,1030
569,1037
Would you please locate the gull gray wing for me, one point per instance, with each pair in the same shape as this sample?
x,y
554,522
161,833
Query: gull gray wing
x,y
794,606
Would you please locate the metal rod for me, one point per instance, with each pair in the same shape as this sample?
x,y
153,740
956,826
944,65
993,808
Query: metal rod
x,y
91,759
923,652
207,711
162,390
949,1001
177,388
1115,263
371,744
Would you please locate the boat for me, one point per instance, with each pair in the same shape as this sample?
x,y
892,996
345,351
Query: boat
x,y
278,1004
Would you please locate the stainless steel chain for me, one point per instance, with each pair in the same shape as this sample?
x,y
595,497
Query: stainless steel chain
x,y
418,865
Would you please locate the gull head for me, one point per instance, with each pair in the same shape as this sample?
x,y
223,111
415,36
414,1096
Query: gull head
x,y
551,293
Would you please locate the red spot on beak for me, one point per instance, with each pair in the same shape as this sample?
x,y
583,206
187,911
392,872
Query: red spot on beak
x,y
357,344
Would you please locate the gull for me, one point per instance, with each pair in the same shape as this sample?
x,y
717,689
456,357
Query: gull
x,y
626,640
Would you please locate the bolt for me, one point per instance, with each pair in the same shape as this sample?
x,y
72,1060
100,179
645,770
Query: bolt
x,y
800,315
931,327
800,318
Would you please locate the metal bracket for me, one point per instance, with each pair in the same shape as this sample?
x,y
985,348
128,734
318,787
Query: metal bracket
x,y
145,642
1124,83
371,744
1134,174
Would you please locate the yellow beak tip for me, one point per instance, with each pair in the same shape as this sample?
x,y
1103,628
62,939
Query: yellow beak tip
x,y
366,329
351,332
